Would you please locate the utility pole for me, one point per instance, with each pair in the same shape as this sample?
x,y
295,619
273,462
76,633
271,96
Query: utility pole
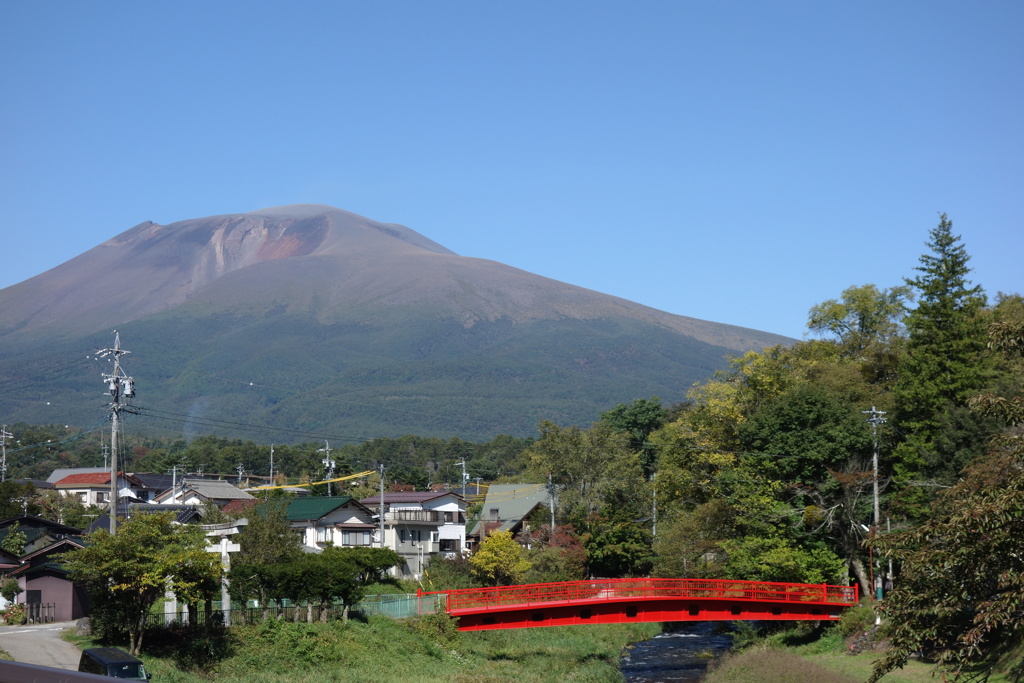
x,y
875,420
465,477
271,464
4,435
122,388
551,503
654,506
380,511
241,472
328,464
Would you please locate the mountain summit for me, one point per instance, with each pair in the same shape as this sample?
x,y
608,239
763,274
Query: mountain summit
x,y
350,326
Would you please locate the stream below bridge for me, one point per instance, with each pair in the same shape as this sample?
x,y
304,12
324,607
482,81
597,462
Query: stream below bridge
x,y
681,653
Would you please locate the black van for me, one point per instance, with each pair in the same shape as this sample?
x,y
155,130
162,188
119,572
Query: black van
x,y
110,661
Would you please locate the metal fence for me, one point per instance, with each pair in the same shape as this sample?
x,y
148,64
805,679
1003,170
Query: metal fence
x,y
400,606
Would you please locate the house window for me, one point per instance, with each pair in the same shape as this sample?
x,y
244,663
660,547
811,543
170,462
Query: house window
x,y
449,517
433,536
323,534
449,545
355,538
401,535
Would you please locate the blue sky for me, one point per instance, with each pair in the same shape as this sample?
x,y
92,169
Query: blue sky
x,y
737,162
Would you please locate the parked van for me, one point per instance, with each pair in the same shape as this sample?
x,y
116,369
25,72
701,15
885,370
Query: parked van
x,y
113,662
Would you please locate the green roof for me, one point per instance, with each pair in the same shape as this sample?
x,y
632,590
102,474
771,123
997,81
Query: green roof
x,y
316,507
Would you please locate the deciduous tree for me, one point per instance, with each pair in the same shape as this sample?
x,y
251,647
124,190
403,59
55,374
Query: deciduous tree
x,y
960,594
499,560
126,573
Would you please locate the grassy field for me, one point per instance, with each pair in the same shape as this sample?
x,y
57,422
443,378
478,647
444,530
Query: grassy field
x,y
826,660
385,650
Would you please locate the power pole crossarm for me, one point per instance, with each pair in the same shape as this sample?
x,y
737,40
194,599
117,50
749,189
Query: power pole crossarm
x,y
122,390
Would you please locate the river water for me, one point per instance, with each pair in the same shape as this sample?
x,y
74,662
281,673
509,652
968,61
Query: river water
x,y
681,653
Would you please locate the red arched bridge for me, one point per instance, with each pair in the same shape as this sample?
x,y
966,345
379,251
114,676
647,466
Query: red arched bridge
x,y
617,601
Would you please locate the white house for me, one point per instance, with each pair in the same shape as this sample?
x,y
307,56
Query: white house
x,y
339,521
419,525
93,488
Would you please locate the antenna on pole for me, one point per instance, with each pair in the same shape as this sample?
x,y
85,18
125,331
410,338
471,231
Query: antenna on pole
x,y
122,390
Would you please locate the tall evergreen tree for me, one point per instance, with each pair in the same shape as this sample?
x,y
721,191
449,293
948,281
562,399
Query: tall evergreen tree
x,y
945,358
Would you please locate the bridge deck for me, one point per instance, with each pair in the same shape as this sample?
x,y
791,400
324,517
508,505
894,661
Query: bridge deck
x,y
628,600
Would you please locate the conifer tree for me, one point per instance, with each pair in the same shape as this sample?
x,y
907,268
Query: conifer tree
x,y
945,361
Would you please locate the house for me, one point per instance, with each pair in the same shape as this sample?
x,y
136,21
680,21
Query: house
x,y
339,521
62,472
154,484
201,492
44,581
41,579
127,507
419,525
93,488
39,532
506,508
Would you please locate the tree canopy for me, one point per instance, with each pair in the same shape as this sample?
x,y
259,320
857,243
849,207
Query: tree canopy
x,y
126,573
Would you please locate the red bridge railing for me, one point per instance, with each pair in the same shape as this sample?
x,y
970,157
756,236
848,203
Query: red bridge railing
x,y
631,589
613,601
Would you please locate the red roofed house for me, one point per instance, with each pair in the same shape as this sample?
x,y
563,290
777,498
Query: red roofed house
x,y
93,488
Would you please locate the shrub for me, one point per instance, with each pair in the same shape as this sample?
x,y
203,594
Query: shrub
x,y
856,619
15,614
440,627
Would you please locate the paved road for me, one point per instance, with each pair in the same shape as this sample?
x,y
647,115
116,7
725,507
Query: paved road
x,y
40,644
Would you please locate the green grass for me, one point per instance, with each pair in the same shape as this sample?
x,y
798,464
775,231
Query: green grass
x,y
799,654
384,650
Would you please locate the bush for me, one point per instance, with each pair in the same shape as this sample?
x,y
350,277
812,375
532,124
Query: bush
x,y
192,648
856,619
15,615
439,628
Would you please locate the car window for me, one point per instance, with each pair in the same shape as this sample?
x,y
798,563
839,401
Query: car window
x,y
130,670
90,665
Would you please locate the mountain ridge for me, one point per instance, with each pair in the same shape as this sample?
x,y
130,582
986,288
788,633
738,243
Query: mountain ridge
x,y
358,311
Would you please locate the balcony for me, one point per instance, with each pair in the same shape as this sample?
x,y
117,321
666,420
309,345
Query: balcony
x,y
427,516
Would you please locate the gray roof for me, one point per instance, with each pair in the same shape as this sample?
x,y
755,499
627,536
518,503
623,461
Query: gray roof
x,y
216,490
512,501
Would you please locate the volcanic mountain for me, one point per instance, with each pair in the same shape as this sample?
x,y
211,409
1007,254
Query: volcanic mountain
x,y
309,321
